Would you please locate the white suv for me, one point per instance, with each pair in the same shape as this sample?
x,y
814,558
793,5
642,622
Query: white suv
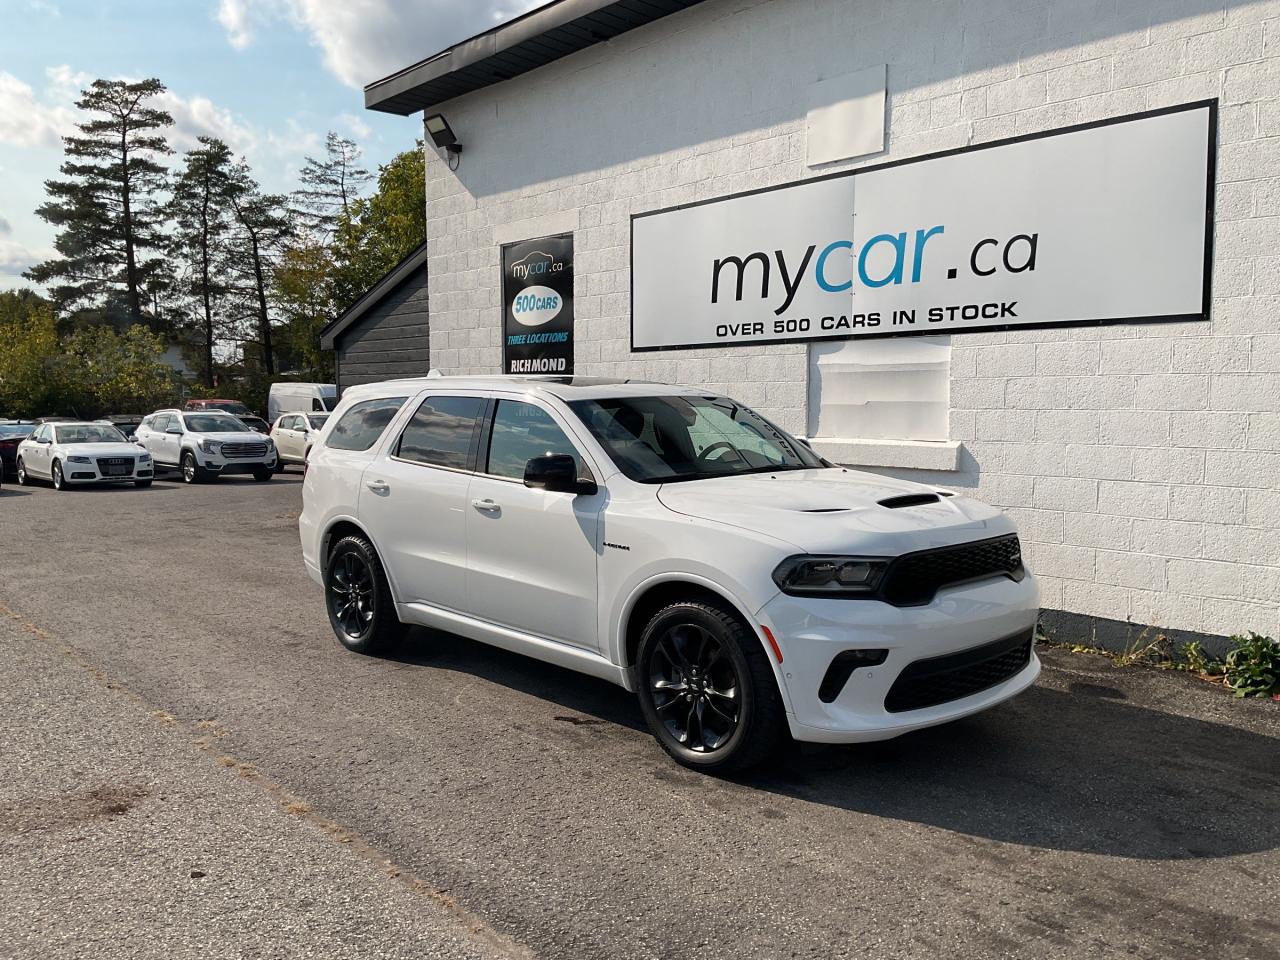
x,y
675,543
205,444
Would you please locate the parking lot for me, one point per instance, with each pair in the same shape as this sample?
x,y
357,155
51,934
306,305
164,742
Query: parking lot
x,y
184,738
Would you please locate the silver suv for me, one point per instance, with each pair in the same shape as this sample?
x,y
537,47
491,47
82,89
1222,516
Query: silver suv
x,y
203,445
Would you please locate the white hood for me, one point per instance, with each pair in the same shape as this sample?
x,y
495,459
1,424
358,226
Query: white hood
x,y
112,448
836,511
234,436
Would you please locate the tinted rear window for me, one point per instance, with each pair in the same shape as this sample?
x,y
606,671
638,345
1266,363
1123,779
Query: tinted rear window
x,y
362,425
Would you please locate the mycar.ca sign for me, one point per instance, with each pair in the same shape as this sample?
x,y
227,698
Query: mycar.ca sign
x,y
1100,223
537,306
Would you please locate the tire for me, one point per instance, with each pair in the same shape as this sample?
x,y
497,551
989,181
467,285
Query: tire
x,y
717,664
23,480
191,470
263,475
358,600
142,483
55,474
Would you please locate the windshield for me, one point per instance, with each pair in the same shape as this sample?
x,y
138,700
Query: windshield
x,y
665,439
317,420
88,433
214,423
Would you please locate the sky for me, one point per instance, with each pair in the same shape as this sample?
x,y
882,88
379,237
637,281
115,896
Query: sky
x,y
270,77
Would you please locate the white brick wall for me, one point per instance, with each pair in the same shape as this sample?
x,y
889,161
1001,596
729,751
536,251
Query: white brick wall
x,y
1141,462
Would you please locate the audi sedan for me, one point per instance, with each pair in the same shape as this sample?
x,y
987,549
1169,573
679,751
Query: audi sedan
x,y
66,454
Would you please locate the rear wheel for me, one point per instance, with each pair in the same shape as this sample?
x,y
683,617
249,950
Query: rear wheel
x,y
707,689
59,482
357,598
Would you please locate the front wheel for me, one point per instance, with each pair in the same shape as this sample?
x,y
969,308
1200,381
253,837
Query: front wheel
x,y
361,611
707,689
59,482
192,472
22,473
262,475
142,483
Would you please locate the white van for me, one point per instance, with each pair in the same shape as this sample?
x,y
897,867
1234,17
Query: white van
x,y
300,398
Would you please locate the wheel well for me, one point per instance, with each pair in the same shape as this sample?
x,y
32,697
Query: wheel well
x,y
343,528
662,595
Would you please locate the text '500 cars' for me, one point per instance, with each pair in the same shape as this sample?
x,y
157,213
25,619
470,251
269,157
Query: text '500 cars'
x,y
675,543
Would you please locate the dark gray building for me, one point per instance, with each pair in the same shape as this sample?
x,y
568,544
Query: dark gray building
x,y
385,333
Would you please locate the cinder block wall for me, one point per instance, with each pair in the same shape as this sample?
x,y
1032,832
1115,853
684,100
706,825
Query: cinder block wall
x,y
1141,462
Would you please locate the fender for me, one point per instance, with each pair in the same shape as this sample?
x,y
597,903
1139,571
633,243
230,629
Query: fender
x,y
618,637
323,550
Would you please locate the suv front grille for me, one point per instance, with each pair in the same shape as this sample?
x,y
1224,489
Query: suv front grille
x,y
927,683
914,578
234,450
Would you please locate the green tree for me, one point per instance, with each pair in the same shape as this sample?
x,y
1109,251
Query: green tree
x,y
381,230
304,294
202,225
110,372
329,186
30,384
107,207
260,232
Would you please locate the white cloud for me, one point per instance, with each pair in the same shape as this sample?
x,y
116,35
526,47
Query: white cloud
x,y
30,121
6,227
198,116
15,257
355,125
364,40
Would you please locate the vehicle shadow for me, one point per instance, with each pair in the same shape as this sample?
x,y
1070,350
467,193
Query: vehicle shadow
x,y
1084,771
13,491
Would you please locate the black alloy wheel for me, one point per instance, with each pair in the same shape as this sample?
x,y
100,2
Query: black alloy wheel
x,y
695,688
357,598
707,689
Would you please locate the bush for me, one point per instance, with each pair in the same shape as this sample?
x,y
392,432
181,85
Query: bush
x,y
1251,668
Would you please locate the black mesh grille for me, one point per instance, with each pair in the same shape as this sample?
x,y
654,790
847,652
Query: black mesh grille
x,y
914,578
114,465
927,683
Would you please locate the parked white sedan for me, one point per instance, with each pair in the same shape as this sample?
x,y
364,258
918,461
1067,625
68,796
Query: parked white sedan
x,y
71,453
294,434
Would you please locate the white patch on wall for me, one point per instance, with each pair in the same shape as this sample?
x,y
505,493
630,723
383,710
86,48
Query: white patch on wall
x,y
892,389
846,116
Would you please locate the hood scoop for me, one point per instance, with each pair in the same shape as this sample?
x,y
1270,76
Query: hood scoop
x,y
908,500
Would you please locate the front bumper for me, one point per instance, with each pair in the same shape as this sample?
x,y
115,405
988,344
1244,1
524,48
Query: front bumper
x,y
810,633
92,473
224,466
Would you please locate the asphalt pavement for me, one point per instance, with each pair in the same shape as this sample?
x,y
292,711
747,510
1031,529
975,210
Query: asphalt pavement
x,y
190,765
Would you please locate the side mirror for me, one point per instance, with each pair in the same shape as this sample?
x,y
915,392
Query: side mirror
x,y
174,430
557,472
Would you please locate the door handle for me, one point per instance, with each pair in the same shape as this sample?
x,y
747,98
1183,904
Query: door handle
x,y
378,486
486,506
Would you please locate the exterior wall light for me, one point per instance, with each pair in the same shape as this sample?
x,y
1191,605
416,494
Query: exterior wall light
x,y
443,137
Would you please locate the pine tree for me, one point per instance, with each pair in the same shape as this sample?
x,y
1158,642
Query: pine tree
x,y
330,186
107,208
200,209
260,233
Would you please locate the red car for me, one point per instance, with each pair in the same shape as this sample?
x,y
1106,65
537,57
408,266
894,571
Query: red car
x,y
12,434
233,407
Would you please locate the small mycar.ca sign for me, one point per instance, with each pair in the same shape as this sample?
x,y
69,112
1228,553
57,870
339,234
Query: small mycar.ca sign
x,y
1101,223
537,306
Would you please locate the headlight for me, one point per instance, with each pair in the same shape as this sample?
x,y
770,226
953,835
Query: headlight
x,y
143,457
809,576
78,460
210,446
